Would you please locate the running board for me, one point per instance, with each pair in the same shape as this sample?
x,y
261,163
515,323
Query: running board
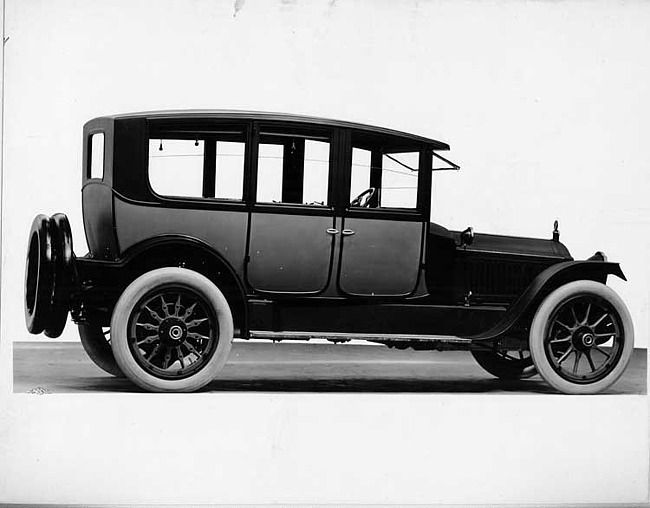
x,y
345,337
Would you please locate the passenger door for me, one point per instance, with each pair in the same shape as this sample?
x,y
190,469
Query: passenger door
x,y
291,233
383,234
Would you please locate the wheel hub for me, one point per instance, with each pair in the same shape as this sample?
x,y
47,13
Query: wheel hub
x,y
588,339
172,331
584,338
175,332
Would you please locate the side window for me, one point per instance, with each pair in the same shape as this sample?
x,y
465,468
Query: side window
x,y
269,173
293,169
229,165
97,155
317,165
207,166
383,174
360,172
399,180
176,167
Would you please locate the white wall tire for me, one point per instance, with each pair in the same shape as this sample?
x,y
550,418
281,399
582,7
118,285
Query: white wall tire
x,y
582,338
171,331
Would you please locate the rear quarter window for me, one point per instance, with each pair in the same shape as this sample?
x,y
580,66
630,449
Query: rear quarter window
x,y
97,155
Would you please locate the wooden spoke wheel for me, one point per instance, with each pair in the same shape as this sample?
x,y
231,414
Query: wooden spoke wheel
x,y
582,338
171,330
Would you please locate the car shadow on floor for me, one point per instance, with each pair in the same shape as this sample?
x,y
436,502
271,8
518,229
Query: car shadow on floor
x,y
494,386
64,368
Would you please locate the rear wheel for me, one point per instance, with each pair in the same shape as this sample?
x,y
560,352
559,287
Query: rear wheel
x,y
171,330
506,364
96,341
582,338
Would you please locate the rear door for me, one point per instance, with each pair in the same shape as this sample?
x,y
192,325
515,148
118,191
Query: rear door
x,y
291,231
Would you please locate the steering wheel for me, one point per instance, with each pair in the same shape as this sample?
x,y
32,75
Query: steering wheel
x,y
363,199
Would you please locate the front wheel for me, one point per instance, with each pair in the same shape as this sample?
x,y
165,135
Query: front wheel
x,y
582,338
171,331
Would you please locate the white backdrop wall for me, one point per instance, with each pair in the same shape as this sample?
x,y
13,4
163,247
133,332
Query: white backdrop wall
x,y
545,104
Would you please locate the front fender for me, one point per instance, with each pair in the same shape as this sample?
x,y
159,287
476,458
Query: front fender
x,y
548,280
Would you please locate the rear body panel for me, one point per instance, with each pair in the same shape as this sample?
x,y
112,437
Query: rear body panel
x,y
99,222
224,231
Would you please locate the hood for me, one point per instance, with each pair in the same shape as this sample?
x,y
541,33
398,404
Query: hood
x,y
501,244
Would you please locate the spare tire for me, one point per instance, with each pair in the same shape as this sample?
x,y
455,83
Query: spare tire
x,y
64,275
39,275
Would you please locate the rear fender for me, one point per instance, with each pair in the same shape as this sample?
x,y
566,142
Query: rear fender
x,y
522,311
109,279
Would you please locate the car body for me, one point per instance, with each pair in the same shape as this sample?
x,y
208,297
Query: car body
x,y
291,227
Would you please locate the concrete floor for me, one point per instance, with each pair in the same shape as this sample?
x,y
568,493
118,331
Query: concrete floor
x,y
63,367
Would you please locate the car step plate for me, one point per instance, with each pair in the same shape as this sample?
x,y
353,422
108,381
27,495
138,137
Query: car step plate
x,y
386,337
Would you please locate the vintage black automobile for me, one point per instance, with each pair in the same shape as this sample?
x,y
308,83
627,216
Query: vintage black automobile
x,y
208,225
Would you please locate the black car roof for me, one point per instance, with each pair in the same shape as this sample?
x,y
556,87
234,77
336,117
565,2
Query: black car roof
x,y
282,117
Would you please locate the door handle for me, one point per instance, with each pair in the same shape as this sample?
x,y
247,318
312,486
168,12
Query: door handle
x,y
347,232
331,231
